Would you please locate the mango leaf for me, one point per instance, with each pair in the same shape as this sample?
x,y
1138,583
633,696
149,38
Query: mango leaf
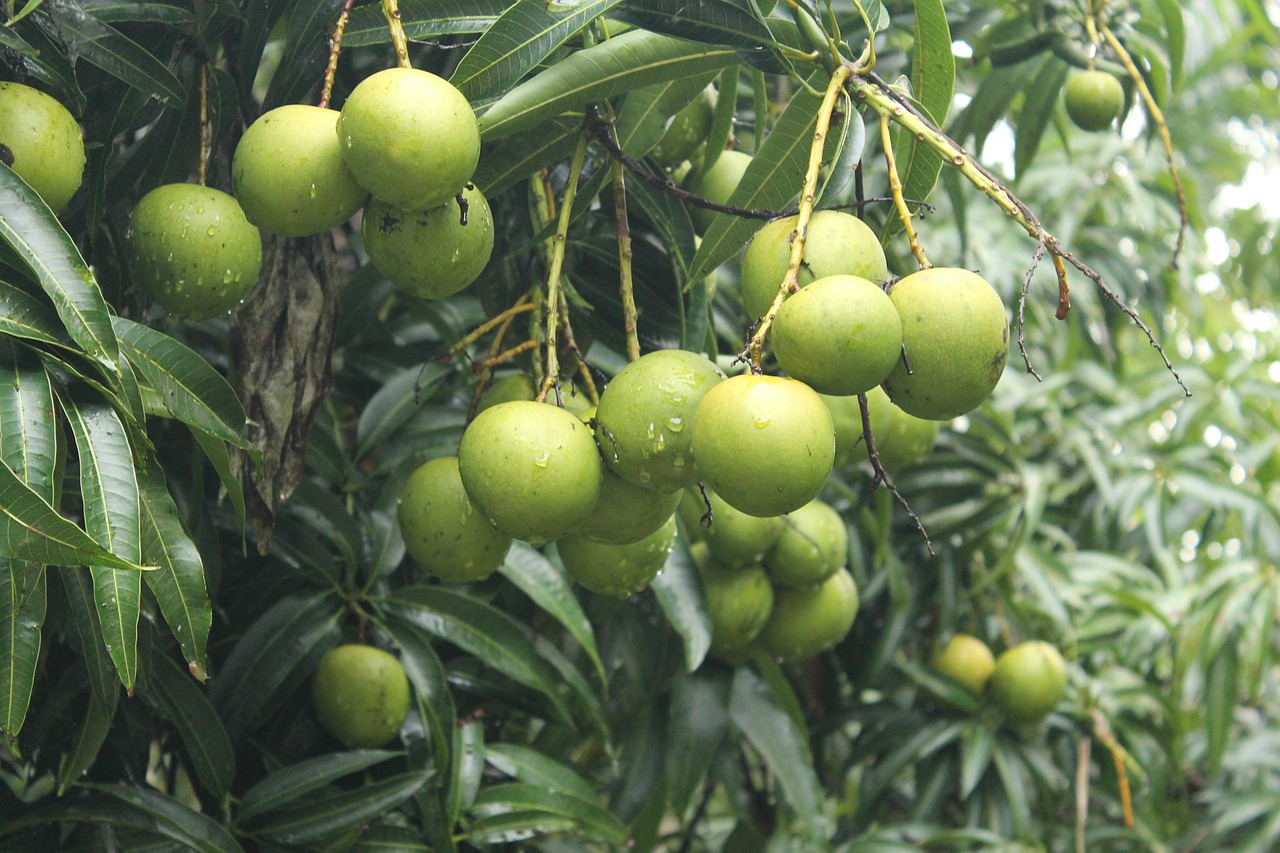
x,y
180,700
1221,692
178,582
297,782
187,385
22,611
86,635
699,720
34,233
785,750
24,316
679,590
526,34
518,157
933,77
482,630
430,684
90,735
136,11
305,54
588,819
771,181
394,404
105,47
532,767
644,115
137,807
468,766
731,23
553,592
1038,108
339,811
1176,35
423,19
112,516
215,450
621,64
276,655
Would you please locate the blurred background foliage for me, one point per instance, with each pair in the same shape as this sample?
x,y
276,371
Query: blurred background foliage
x,y
1100,509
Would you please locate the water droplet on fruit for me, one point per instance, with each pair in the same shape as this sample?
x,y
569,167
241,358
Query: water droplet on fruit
x,y
761,422
213,229
675,424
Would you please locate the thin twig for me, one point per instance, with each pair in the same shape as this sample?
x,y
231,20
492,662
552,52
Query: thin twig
x,y
895,190
1083,748
1022,309
626,286
881,477
206,131
335,48
391,9
552,364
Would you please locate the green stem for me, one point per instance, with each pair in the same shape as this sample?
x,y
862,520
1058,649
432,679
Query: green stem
x,y
391,8
556,264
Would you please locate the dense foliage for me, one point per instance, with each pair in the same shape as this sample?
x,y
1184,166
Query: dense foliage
x,y
195,512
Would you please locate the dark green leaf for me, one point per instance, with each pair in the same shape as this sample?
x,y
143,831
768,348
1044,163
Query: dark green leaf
x,y
227,468
515,159
188,387
730,23
769,729
22,610
276,655
679,590
90,735
136,11
113,517
330,815
430,684
551,590
180,700
178,583
468,766
525,34
24,316
699,719
297,782
1038,108
103,46
399,398
481,629
589,819
771,181
1221,694
305,54
621,64
532,767
643,117
424,19
34,233
86,635
164,815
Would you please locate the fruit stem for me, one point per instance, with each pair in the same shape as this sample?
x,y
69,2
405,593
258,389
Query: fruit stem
x,y
561,237
790,282
335,48
625,253
895,189
1153,110
391,8
868,88
205,129
879,476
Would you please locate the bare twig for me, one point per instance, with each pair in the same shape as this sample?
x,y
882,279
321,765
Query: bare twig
x,y
335,49
895,190
391,9
552,364
881,476
1022,310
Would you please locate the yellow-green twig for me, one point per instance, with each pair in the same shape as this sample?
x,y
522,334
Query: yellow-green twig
x,y
335,49
895,189
391,8
554,267
790,283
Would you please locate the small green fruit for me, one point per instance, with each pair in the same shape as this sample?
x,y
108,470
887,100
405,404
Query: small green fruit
x,y
618,570
1093,100
810,619
530,468
409,137
288,173
442,530
627,512
814,544
955,334
1029,680
839,335
41,141
739,601
717,184
837,243
193,249
966,659
430,253
902,440
360,695
643,420
687,131
505,389
736,538
765,444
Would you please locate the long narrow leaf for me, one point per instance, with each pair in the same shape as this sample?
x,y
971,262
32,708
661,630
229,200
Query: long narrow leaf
x,y
178,698
424,19
34,233
22,610
178,582
113,517
297,782
513,45
551,590
621,64
24,316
